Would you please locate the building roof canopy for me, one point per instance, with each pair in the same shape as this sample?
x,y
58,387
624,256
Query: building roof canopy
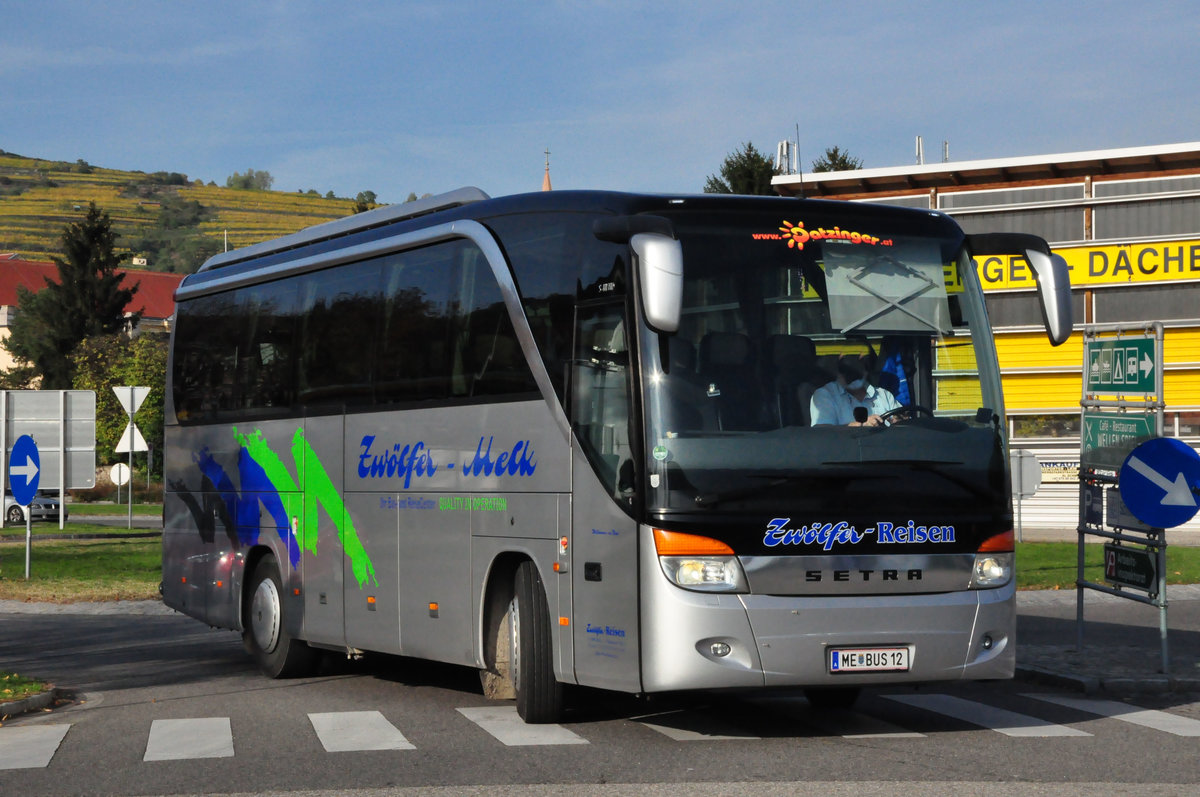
x,y
984,172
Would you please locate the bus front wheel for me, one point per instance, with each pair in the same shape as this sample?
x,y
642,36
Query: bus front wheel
x,y
539,694
265,634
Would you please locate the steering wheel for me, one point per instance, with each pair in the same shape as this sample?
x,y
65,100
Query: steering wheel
x,y
894,416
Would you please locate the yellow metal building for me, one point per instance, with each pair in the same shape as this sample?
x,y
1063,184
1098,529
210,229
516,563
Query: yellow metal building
x,y
1127,221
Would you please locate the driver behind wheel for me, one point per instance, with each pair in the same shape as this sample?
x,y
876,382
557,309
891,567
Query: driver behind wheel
x,y
851,399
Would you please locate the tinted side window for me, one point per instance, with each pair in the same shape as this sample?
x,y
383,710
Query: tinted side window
x,y
422,325
338,333
487,357
418,290
555,259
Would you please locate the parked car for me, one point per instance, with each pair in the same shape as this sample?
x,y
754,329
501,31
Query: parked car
x,y
44,506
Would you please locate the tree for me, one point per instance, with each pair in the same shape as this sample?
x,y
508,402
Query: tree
x,y
745,171
87,300
250,181
105,361
366,200
835,160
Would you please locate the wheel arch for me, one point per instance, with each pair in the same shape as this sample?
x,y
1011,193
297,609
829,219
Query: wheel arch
x,y
498,591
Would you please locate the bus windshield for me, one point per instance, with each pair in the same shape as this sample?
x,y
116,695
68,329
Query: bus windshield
x,y
836,366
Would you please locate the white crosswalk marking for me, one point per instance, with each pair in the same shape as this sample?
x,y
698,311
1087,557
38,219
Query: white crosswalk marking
x,y
503,723
342,731
205,737
1147,718
30,746
1009,723
690,726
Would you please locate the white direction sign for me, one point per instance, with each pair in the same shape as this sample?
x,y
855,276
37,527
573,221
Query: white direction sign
x,y
1159,482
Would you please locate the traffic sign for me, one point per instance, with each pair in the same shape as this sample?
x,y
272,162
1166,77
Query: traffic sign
x,y
1026,472
24,469
131,398
1130,567
1159,482
1108,437
1121,365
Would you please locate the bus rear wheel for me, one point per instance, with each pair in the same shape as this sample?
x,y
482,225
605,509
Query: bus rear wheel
x,y
539,694
265,633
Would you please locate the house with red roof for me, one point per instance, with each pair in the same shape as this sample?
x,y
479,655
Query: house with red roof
x,y
155,297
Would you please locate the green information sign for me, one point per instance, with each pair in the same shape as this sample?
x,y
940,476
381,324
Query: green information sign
x,y
1121,365
1107,437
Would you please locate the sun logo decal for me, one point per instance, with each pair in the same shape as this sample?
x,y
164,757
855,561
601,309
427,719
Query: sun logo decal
x,y
795,234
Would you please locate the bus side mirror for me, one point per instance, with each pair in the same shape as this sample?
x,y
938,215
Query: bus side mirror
x,y
660,271
1050,270
1054,291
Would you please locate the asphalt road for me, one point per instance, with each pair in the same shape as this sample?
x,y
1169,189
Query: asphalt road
x,y
164,705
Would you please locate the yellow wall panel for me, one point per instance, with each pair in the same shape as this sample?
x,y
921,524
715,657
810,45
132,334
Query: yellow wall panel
x,y
1039,393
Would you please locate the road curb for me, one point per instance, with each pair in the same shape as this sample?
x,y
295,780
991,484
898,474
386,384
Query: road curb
x,y
25,705
1117,686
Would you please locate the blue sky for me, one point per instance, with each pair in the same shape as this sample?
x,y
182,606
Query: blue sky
x,y
403,97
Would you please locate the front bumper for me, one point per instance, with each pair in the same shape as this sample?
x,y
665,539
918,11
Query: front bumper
x,y
775,640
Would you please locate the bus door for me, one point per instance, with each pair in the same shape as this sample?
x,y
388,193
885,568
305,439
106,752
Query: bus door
x,y
604,536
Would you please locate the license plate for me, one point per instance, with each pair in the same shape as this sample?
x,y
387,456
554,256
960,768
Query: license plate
x,y
868,660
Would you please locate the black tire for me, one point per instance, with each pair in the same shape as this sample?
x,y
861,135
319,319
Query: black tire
x,y
15,514
265,629
833,697
539,694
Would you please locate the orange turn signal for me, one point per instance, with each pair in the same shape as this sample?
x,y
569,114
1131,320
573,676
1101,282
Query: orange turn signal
x,y
674,543
1001,543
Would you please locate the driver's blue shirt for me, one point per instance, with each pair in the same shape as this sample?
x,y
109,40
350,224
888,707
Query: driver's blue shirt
x,y
833,404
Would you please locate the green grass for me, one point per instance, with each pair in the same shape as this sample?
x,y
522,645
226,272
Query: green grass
x,y
84,510
68,571
1053,565
16,687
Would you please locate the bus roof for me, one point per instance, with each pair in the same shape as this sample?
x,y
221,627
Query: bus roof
x,y
471,202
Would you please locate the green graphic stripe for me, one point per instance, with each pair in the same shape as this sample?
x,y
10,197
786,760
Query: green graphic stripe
x,y
318,491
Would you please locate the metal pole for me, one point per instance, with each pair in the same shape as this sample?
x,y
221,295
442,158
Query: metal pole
x,y
130,457
1079,594
62,457
28,539
1162,600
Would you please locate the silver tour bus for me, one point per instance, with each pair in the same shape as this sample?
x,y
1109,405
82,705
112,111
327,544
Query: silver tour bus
x,y
641,443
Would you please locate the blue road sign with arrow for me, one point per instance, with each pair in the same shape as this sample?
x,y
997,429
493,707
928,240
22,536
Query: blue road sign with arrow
x,y
24,469
1160,482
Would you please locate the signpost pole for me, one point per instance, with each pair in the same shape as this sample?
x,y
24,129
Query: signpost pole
x,y
131,407
28,540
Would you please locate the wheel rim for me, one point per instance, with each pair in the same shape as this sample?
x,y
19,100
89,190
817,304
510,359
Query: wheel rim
x,y
514,647
15,515
264,616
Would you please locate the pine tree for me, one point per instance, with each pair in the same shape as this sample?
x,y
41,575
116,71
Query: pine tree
x,y
744,171
87,300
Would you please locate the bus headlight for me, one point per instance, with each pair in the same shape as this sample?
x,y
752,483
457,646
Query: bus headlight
x,y
707,573
699,563
991,570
